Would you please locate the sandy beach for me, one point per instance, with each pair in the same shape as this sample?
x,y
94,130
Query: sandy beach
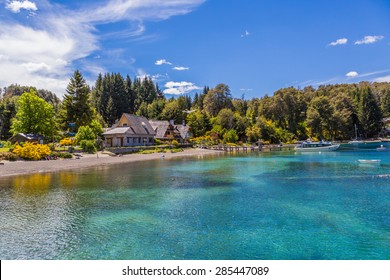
x,y
87,160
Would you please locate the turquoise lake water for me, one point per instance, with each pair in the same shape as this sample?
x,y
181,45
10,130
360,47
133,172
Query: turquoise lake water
x,y
279,205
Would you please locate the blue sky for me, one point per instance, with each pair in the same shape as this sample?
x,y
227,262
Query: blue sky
x,y
254,46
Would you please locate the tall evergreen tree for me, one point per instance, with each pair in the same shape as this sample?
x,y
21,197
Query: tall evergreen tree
x,y
76,107
369,113
385,104
97,92
119,95
130,96
7,112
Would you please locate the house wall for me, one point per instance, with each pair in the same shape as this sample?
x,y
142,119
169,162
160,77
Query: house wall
x,y
127,141
123,121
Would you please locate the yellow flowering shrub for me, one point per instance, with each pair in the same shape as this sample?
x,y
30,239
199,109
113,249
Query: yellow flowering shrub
x,y
32,151
68,142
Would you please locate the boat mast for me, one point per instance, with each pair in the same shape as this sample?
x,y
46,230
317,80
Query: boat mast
x,y
356,132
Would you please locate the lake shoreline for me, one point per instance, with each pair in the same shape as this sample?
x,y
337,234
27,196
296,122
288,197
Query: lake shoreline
x,y
17,168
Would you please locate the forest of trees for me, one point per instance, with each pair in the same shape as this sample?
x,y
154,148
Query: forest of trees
x,y
328,112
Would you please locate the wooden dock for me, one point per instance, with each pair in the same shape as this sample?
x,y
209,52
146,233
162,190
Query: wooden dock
x,y
269,148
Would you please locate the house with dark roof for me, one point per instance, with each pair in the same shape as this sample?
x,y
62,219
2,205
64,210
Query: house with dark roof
x,y
168,131
28,137
164,130
386,131
130,130
185,131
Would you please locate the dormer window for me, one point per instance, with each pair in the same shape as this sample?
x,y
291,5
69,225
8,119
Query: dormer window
x,y
125,124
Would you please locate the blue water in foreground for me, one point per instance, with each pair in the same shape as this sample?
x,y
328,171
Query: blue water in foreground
x,y
282,206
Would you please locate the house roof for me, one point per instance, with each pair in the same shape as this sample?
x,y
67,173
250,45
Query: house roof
x,y
118,130
183,129
26,137
159,127
137,126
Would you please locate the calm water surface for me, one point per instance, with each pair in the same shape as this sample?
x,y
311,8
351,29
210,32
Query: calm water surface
x,y
247,206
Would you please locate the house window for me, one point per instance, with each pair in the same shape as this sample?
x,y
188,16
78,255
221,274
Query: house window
x,y
125,124
128,140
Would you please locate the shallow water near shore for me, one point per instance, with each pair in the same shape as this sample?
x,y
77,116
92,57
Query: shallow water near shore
x,y
278,205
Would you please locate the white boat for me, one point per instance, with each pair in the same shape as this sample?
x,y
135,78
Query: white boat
x,y
321,146
381,148
356,141
369,161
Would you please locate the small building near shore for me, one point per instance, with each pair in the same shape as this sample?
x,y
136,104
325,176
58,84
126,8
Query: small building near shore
x,y
130,130
386,130
168,131
28,137
185,131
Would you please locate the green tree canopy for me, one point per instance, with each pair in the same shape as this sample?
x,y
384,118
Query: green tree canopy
x,y
198,122
320,117
85,133
33,115
217,99
230,136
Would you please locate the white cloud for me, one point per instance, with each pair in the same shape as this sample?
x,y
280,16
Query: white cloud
x,y
35,67
341,41
373,73
16,6
141,74
178,88
160,77
246,34
162,62
383,79
369,40
352,74
45,52
180,68
117,10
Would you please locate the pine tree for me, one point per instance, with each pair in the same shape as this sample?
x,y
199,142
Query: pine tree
x,y
119,95
110,112
76,107
369,113
130,96
385,104
97,92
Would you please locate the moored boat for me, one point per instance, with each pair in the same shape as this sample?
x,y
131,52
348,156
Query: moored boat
x,y
369,161
381,148
356,141
321,146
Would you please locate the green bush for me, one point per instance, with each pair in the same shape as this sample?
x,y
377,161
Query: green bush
x,y
61,155
230,136
175,143
52,146
147,152
88,146
8,156
176,150
5,144
85,133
